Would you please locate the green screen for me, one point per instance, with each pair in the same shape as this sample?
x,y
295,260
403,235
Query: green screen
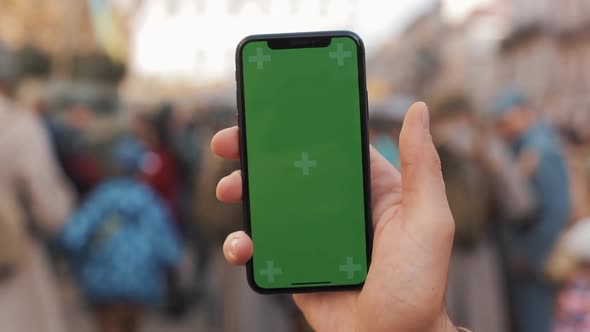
x,y
305,168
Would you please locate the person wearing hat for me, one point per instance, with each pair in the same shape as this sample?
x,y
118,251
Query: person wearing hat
x,y
569,266
121,243
29,298
536,147
483,191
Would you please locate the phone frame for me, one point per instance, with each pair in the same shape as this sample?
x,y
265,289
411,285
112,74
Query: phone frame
x,y
363,107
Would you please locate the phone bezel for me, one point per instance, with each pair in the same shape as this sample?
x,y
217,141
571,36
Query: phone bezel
x,y
364,142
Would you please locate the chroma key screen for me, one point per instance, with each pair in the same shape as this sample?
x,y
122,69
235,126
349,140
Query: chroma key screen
x,y
305,170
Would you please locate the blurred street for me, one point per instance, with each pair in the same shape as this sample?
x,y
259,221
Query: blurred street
x,y
109,220
262,316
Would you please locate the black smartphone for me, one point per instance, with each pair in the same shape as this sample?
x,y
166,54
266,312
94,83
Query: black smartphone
x,y
302,105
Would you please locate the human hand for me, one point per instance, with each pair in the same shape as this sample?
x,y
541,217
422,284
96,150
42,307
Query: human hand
x,y
413,234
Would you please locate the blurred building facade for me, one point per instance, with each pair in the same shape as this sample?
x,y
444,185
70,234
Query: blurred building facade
x,y
59,28
541,47
53,26
546,54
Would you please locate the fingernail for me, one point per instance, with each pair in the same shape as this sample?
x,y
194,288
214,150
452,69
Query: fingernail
x,y
219,185
223,179
233,247
425,117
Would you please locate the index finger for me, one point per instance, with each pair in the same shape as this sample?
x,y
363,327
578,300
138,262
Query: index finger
x,y
226,143
238,248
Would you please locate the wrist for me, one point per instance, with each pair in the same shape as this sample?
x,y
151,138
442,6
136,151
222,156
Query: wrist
x,y
444,324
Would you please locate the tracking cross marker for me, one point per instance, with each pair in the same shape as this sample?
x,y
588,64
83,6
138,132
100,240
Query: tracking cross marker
x,y
340,54
271,271
305,164
260,58
350,268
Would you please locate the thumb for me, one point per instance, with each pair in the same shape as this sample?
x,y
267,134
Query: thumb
x,y
422,181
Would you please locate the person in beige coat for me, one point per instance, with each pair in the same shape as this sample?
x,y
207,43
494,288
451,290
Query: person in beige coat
x,y
31,188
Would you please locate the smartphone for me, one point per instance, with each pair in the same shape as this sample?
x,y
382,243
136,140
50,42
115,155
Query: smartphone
x,y
302,111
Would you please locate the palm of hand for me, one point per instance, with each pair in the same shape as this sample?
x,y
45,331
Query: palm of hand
x,y
397,287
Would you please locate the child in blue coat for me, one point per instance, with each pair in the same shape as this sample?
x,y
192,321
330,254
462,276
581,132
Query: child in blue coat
x,y
121,243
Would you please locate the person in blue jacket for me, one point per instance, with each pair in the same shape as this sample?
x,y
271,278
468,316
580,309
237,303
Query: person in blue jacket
x,y
536,146
122,244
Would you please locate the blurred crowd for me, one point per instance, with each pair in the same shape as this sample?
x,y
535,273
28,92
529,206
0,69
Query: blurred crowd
x,y
117,226
132,225
519,189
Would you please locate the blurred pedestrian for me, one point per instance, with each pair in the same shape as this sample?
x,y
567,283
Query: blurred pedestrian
x,y
185,140
32,188
160,171
66,135
122,243
162,174
482,192
537,149
577,152
570,267
184,134
80,162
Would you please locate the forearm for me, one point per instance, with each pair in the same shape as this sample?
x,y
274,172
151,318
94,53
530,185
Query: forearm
x,y
447,325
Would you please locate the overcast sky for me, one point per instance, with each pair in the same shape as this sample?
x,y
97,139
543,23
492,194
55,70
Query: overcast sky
x,y
196,39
